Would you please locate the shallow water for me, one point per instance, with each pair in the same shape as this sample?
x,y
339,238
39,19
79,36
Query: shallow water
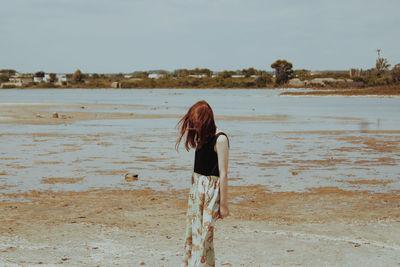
x,y
304,142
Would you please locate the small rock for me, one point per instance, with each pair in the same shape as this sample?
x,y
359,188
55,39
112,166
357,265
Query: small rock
x,y
82,107
131,177
63,116
64,259
55,115
295,173
39,116
163,258
142,263
289,250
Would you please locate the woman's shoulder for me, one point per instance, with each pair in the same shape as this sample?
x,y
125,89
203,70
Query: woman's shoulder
x,y
221,138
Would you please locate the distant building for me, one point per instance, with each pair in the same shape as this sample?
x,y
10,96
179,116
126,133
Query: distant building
x,y
198,75
38,79
115,85
155,75
238,76
46,78
18,80
61,79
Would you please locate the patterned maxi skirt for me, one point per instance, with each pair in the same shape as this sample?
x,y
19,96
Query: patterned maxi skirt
x,y
203,211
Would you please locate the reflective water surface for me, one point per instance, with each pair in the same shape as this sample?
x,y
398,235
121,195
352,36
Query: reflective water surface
x,y
286,143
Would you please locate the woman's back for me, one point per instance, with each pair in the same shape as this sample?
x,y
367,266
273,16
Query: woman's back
x,y
206,159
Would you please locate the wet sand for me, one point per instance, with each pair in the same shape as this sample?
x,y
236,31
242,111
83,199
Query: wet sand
x,y
319,226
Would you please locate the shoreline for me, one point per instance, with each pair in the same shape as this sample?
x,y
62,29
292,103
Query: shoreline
x,y
379,91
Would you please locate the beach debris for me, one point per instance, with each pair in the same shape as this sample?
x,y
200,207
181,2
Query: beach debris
x,y
295,173
55,115
39,115
131,177
356,245
63,117
82,107
289,250
142,263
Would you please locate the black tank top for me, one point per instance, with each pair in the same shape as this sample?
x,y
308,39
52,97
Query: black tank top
x,y
206,159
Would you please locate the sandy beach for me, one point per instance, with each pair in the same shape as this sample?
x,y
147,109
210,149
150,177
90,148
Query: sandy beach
x,y
324,227
346,219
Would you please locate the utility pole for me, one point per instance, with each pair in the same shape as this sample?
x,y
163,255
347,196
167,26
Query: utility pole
x,y
379,52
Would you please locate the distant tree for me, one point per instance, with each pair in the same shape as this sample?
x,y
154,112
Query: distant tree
x,y
206,72
283,71
181,73
53,77
77,76
4,78
248,72
144,74
395,73
39,74
261,82
264,79
382,64
95,76
226,74
8,72
119,75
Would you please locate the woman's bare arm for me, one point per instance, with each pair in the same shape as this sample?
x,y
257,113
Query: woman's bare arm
x,y
222,147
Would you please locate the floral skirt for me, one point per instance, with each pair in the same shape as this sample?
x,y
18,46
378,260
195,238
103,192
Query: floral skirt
x,y
202,213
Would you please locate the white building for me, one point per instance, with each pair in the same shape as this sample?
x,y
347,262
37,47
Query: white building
x,y
37,79
61,78
20,79
46,78
155,75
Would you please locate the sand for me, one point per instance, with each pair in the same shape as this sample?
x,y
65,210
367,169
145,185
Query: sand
x,y
325,226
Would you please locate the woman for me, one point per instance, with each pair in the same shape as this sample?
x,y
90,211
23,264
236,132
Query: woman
x,y
208,193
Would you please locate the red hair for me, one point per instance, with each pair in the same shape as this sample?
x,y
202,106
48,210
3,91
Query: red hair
x,y
198,124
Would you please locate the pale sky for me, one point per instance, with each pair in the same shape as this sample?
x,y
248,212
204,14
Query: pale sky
x,y
110,36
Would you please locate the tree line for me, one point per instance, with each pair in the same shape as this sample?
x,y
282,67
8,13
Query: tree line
x,y
380,75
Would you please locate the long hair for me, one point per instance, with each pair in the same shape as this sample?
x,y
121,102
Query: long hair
x,y
198,124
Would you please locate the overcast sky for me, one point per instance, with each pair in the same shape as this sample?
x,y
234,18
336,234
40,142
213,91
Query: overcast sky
x,y
131,35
